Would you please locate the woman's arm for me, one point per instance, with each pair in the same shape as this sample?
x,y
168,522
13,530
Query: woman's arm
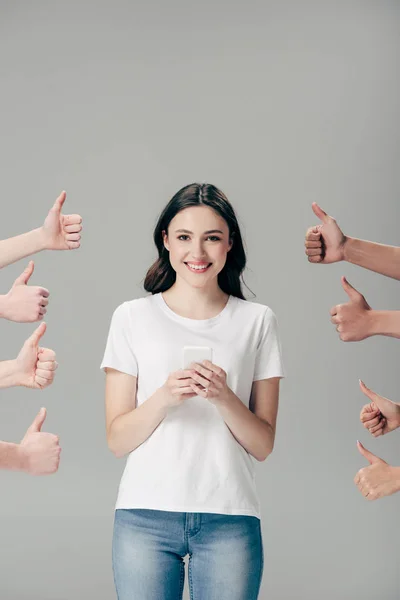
x,y
254,427
128,427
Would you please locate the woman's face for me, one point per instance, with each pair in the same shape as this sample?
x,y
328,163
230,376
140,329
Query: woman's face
x,y
198,243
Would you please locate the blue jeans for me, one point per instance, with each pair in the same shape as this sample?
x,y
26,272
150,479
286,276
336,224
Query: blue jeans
x,y
225,555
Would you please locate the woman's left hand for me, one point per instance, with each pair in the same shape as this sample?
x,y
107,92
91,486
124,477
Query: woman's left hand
x,y
211,382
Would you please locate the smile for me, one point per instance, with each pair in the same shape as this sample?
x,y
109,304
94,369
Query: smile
x,y
198,267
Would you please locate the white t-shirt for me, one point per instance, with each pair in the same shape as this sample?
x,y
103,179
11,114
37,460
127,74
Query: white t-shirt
x,y
192,462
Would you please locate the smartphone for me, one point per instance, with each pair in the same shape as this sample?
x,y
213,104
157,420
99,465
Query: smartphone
x,y
195,354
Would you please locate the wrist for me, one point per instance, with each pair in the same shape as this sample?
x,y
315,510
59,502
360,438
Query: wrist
x,y
160,401
22,458
396,477
11,376
373,319
224,400
4,306
346,248
42,240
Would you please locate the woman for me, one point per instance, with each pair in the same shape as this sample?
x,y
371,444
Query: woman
x,y
188,487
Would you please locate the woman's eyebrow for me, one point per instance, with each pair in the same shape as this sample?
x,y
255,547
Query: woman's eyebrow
x,y
208,232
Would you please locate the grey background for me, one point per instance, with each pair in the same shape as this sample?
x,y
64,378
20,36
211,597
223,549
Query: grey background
x,y
279,104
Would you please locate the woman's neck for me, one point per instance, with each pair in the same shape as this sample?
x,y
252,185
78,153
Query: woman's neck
x,y
195,303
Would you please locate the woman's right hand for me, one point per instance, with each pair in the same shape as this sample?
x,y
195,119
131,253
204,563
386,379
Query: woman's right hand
x,y
177,388
381,415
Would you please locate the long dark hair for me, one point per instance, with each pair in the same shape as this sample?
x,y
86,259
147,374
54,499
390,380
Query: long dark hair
x,y
161,276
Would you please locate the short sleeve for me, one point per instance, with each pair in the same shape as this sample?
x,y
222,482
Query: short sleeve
x,y
269,355
119,353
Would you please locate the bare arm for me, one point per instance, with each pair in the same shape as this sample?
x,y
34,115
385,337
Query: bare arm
x,y
128,427
21,246
37,454
373,256
9,374
254,428
385,322
58,232
326,243
11,457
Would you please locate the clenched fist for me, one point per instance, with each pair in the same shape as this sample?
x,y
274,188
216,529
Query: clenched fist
x,y
353,320
324,242
378,479
381,415
23,303
39,450
35,367
61,232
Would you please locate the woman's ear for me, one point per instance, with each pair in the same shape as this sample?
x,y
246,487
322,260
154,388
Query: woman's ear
x,y
165,240
230,243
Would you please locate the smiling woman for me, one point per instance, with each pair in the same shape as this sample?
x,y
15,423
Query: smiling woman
x,y
192,431
199,238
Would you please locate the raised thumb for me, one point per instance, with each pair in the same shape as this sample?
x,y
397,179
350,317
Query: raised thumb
x,y
37,334
59,202
38,421
351,291
318,212
371,458
384,404
26,275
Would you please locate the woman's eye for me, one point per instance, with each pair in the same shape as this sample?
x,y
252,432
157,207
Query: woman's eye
x,y
183,237
213,238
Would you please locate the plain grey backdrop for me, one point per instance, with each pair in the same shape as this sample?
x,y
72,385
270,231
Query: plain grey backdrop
x,y
279,104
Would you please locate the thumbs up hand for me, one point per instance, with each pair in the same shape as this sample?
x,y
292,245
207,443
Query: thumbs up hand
x,y
381,415
39,451
23,303
324,242
353,320
61,232
378,479
34,366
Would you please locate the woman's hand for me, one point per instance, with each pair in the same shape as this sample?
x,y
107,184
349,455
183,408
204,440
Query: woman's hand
x,y
177,388
381,415
210,382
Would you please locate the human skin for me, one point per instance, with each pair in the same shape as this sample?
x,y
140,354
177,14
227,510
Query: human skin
x,y
38,453
354,320
196,236
58,232
34,366
24,303
377,480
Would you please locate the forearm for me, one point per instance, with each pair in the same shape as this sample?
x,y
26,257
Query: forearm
x,y
130,430
10,457
8,374
20,246
375,257
256,436
385,322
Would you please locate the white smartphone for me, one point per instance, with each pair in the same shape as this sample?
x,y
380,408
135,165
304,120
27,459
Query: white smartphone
x,y
195,354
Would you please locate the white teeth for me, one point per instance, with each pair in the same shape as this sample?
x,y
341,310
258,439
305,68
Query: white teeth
x,y
198,267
